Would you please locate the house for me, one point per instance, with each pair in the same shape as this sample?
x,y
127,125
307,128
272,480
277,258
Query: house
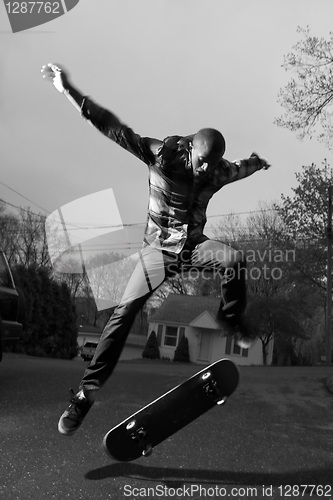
x,y
195,317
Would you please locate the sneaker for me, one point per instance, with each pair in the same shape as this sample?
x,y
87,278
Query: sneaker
x,y
244,336
236,327
73,417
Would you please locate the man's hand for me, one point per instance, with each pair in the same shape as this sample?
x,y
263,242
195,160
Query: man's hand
x,y
57,75
264,163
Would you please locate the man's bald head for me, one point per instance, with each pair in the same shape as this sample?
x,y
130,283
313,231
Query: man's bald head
x,y
208,147
210,141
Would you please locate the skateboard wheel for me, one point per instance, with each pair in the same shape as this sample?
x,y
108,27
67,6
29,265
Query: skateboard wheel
x,y
130,425
206,375
222,401
148,451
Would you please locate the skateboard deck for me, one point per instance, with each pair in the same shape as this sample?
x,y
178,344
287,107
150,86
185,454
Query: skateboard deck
x,y
138,434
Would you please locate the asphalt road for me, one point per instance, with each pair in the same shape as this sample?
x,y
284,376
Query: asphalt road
x,y
273,436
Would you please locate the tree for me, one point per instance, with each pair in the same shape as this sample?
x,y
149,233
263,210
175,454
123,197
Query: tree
x,y
9,229
181,284
76,282
308,97
276,317
49,327
151,351
23,237
108,274
258,239
31,239
182,354
272,312
304,216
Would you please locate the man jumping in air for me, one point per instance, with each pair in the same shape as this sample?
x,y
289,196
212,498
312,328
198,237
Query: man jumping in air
x,y
184,173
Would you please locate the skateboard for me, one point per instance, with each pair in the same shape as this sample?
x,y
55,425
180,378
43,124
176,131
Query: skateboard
x,y
138,434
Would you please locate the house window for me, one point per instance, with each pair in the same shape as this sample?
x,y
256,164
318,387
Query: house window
x,y
236,349
228,345
232,348
171,336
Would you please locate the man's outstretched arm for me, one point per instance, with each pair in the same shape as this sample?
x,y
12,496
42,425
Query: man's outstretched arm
x,y
145,148
244,168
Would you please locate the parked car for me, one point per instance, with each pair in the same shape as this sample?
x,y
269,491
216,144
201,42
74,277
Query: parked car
x,y
11,305
88,350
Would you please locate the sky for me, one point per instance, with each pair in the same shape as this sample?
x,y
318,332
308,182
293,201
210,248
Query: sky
x,y
164,67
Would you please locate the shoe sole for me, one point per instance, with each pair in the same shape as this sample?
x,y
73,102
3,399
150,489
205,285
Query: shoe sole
x,y
63,430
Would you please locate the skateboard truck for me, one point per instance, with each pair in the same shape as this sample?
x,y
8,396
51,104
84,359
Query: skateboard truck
x,y
211,388
139,436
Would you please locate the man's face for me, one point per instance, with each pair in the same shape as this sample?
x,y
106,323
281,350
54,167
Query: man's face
x,y
203,159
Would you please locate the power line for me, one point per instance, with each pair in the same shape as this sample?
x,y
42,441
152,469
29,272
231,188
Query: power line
x,y
22,196
22,208
131,224
231,214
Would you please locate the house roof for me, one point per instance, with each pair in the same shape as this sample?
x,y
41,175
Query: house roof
x,y
184,309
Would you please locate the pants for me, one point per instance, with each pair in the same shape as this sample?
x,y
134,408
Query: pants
x,y
151,270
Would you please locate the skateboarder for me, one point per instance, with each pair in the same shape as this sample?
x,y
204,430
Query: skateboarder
x,y
184,173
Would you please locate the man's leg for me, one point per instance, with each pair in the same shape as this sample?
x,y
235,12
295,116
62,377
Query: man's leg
x,y
149,274
231,266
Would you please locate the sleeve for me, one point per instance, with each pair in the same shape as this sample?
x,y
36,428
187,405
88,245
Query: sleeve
x,y
240,169
109,125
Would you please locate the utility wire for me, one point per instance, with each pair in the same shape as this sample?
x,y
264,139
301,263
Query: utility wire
x,y
231,214
22,196
23,209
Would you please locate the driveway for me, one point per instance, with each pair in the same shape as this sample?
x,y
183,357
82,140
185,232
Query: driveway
x,y
274,435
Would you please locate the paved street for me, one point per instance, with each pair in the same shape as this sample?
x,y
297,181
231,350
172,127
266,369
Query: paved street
x,y
276,432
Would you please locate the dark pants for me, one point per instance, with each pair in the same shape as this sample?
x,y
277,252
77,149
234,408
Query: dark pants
x,y
153,267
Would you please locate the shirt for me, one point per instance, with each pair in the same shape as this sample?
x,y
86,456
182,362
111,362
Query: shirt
x,y
177,199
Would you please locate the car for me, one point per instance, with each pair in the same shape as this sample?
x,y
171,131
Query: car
x,y
88,350
11,306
